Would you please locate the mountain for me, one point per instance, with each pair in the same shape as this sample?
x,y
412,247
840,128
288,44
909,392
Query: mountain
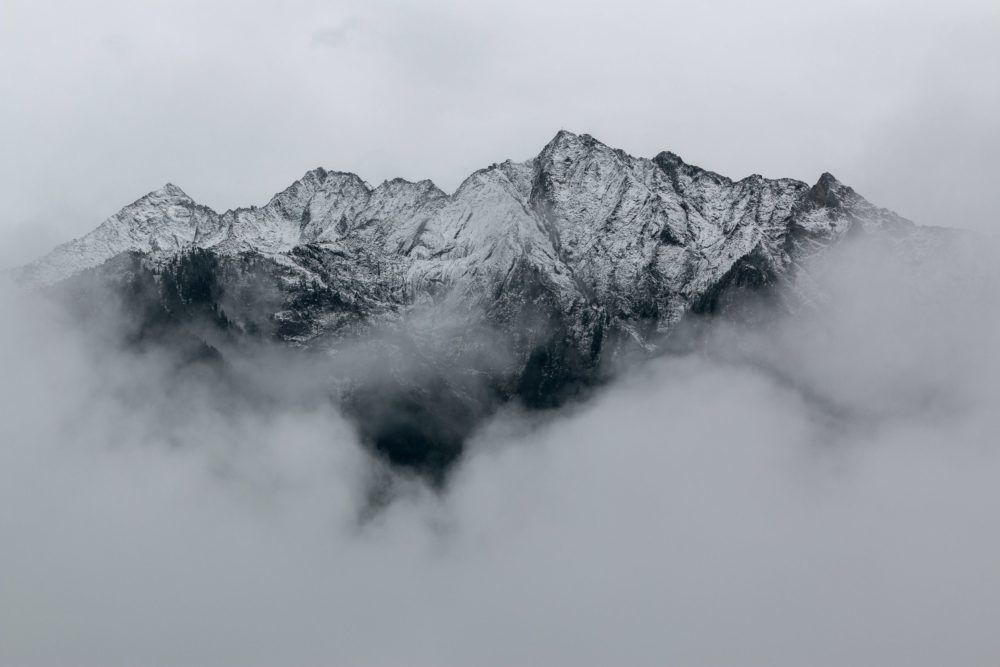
x,y
527,283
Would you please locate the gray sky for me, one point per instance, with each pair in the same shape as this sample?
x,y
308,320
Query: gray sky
x,y
106,100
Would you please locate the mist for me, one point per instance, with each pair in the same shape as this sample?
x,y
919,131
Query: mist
x,y
815,488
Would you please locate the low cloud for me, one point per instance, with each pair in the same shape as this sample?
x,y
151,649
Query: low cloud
x,y
819,489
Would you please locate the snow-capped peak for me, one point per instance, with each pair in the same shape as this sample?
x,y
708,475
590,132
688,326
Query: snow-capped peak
x,y
602,213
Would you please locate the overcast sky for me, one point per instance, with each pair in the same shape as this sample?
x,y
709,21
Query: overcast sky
x,y
106,100
828,500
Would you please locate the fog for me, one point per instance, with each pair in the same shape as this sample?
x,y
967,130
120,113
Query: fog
x,y
818,489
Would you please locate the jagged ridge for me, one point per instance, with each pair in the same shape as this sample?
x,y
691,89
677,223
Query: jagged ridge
x,y
526,280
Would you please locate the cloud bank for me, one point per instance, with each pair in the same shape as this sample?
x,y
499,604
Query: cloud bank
x,y
819,489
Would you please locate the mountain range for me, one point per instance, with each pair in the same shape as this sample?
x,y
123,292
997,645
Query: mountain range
x,y
528,284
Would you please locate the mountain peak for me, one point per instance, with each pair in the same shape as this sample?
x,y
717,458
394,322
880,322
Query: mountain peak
x,y
827,179
828,191
169,190
168,194
318,174
401,184
568,147
669,159
565,139
563,135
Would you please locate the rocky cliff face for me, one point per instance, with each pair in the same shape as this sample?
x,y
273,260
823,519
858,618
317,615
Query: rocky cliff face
x,y
524,284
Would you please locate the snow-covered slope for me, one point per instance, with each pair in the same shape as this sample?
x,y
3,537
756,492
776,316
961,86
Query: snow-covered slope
x,y
582,236
583,231
581,211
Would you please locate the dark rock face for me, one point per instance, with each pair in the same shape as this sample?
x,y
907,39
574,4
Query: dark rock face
x,y
526,284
